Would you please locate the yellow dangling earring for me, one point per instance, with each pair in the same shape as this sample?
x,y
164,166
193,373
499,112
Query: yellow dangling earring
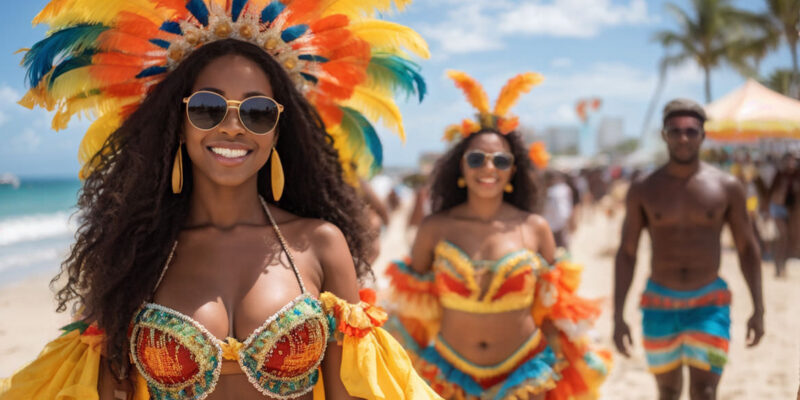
x,y
276,175
461,182
508,188
177,171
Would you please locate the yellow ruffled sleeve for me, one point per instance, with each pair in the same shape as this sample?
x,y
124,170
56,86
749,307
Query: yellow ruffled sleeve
x,y
374,365
67,369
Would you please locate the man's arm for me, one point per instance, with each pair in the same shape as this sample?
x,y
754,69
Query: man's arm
x,y
749,255
625,262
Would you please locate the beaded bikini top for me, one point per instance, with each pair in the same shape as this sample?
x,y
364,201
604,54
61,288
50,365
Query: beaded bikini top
x,y
180,359
511,287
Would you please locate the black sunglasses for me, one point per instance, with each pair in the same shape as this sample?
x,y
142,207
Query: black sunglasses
x,y
258,114
675,133
500,160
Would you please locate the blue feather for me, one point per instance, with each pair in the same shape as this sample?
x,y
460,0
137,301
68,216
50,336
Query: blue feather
x,y
362,134
311,78
75,39
69,64
293,32
272,11
402,73
171,27
160,43
313,57
199,10
236,8
150,71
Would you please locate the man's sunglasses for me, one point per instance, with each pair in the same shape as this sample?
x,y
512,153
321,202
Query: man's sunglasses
x,y
500,160
258,114
676,133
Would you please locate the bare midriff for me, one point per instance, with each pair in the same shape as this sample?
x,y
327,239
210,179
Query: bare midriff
x,y
486,339
685,257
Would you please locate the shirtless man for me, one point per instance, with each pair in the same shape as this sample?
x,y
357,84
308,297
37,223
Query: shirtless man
x,y
686,305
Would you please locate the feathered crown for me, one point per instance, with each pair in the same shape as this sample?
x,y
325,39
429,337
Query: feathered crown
x,y
499,119
100,58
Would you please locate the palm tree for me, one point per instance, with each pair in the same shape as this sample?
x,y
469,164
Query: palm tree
x,y
785,17
709,35
780,81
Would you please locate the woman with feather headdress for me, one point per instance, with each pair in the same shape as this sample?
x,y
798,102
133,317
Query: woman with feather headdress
x,y
220,247
485,305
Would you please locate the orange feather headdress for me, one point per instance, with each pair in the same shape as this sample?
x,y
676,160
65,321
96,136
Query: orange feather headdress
x,y
498,119
101,57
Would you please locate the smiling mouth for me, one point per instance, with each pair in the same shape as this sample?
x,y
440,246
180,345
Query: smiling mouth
x,y
229,153
488,180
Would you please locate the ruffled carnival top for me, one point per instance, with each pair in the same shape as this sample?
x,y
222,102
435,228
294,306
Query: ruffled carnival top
x,y
521,280
176,357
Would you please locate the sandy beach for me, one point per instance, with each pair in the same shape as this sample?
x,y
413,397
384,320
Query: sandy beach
x,y
769,371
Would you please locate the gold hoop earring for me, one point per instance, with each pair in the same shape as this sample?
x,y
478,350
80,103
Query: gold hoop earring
x,y
461,182
508,188
276,175
177,171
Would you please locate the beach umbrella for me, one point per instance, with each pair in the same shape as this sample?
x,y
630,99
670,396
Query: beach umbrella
x,y
753,112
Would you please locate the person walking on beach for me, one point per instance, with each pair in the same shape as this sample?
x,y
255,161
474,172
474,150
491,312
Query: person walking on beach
x,y
686,305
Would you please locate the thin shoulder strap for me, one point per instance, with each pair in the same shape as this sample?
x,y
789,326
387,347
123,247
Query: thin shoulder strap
x,y
284,245
164,269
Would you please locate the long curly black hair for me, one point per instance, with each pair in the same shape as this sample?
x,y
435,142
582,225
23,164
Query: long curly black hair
x,y
446,194
130,218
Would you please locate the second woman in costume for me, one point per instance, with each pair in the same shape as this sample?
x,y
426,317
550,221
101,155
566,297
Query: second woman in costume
x,y
484,302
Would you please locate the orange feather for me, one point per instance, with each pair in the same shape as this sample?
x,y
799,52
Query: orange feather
x,y
118,59
112,40
472,89
334,89
113,74
299,11
138,25
330,22
346,73
522,83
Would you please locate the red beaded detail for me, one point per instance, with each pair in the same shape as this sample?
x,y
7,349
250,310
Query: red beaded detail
x,y
296,352
164,359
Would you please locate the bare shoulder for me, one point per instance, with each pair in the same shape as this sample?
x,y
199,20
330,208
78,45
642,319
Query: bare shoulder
x,y
536,221
723,178
431,226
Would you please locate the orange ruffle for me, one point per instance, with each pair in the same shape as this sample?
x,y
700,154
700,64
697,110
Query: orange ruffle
x,y
355,320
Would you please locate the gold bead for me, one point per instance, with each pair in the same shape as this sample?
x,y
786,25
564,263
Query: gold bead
x,y
192,37
271,44
223,30
290,63
175,53
246,31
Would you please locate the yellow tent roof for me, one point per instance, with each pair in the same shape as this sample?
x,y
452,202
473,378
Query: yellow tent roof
x,y
751,112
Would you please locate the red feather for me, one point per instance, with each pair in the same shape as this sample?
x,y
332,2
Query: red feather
x,y
300,11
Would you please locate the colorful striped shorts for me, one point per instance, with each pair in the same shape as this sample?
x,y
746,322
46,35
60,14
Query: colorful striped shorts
x,y
686,327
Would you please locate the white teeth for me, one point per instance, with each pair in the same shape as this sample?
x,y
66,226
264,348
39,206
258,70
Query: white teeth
x,y
487,180
229,153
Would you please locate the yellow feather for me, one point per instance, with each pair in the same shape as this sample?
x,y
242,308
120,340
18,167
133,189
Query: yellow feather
x,y
377,107
103,12
93,140
522,83
356,9
52,9
72,83
90,107
345,153
390,37
472,89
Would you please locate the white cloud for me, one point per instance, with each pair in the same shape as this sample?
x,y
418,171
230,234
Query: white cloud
x,y
481,25
572,18
561,62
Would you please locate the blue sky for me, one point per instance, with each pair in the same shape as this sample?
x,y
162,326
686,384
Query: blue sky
x,y
583,48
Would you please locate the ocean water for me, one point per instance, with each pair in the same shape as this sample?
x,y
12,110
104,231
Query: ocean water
x,y
37,226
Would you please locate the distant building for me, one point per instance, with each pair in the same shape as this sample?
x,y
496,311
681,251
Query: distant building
x,y
561,139
610,133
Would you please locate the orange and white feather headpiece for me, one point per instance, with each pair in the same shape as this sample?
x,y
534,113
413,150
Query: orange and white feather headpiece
x,y
498,119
